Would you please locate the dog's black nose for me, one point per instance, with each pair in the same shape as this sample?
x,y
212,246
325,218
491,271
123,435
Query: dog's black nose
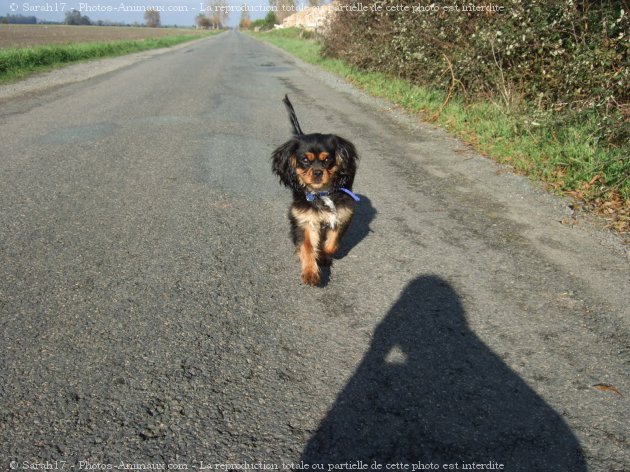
x,y
318,174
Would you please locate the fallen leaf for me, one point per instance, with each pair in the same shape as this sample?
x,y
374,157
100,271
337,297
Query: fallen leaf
x,y
569,221
607,388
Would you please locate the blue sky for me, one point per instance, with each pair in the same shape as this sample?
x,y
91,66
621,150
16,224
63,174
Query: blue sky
x,y
172,12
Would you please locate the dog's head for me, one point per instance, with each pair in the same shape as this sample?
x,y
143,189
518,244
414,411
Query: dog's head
x,y
313,162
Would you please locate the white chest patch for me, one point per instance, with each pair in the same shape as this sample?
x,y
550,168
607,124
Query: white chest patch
x,y
332,215
329,203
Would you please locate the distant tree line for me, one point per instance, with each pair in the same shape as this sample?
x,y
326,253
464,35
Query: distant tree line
x,y
32,20
18,20
75,18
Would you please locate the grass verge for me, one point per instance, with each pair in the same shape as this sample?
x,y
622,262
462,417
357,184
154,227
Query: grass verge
x,y
563,155
18,63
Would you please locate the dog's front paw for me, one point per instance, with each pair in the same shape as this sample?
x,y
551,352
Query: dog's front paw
x,y
310,277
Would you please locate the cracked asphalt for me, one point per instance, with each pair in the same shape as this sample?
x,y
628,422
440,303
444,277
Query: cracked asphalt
x,y
151,310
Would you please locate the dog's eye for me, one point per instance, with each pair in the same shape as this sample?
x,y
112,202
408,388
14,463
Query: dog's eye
x,y
305,160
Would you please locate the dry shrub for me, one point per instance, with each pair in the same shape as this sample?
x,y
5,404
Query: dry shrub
x,y
567,58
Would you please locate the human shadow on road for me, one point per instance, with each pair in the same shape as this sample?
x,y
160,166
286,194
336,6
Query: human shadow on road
x,y
429,391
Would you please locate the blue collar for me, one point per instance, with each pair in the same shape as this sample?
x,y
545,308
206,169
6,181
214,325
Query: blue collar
x,y
311,196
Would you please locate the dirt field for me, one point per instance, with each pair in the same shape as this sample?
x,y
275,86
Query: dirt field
x,y
12,36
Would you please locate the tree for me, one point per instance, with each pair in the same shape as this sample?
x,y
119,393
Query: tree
x,y
152,17
283,8
270,20
74,17
218,13
245,20
202,21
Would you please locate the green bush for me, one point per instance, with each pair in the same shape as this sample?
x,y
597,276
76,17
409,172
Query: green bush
x,y
266,23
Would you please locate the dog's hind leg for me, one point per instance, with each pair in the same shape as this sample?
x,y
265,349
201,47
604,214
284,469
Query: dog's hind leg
x,y
330,245
331,237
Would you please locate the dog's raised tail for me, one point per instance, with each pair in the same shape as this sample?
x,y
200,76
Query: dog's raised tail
x,y
297,131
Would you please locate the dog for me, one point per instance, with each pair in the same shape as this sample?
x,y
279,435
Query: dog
x,y
319,169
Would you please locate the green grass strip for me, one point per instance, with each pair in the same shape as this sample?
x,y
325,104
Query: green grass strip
x,y
562,154
18,63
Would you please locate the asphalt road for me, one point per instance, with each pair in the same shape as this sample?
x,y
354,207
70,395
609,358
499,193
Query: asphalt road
x,y
152,313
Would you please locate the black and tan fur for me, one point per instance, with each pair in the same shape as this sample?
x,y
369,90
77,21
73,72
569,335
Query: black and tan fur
x,y
316,163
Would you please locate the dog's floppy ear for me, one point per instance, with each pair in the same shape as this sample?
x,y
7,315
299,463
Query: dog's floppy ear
x,y
347,157
283,163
